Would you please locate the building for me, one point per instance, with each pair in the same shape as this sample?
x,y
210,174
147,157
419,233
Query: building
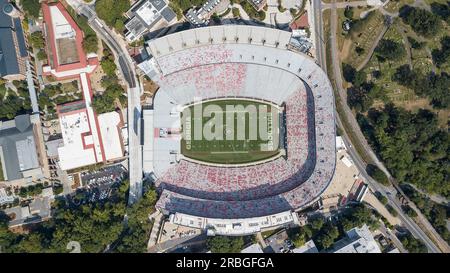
x,y
88,138
5,198
229,62
147,16
254,248
301,22
358,240
258,4
200,17
308,247
13,48
87,143
64,39
18,149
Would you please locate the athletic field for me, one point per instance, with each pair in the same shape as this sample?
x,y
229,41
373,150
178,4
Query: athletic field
x,y
230,131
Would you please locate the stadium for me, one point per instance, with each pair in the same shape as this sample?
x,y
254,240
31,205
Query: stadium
x,y
241,133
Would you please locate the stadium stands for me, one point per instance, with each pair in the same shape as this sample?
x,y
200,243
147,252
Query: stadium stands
x,y
246,62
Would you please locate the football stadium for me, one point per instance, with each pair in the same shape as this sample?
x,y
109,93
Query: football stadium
x,y
241,133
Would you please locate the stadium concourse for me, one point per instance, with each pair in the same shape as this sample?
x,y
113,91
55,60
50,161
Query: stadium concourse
x,y
238,62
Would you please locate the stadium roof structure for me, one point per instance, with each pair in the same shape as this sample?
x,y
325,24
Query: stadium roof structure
x,y
235,61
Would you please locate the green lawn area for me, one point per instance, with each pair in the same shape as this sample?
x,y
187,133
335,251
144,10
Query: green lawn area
x,y
395,91
394,6
398,94
371,26
228,148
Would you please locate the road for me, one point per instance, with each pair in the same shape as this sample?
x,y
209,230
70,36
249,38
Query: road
x,y
127,69
389,192
316,5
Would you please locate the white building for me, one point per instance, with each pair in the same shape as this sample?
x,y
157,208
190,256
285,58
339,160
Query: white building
x,y
308,247
255,248
359,240
148,15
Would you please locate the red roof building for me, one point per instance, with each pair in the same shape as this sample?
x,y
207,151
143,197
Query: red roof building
x,y
301,22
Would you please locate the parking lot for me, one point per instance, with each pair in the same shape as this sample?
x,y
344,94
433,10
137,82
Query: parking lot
x,y
105,175
98,184
280,243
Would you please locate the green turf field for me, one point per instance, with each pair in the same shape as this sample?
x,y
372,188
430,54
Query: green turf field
x,y
240,140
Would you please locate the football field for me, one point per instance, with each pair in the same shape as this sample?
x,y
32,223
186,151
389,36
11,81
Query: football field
x,y
230,131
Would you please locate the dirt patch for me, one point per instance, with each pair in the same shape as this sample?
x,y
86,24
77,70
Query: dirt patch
x,y
343,54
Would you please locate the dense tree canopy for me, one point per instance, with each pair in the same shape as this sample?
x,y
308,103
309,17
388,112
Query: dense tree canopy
x,y
37,40
111,11
94,225
362,97
436,213
412,146
325,232
413,245
390,50
225,244
106,102
31,7
377,174
442,56
134,238
13,104
441,10
90,41
435,87
422,21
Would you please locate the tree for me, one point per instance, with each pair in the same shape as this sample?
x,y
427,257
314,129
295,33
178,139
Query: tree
x,y
108,66
317,223
422,21
134,238
377,174
37,40
41,55
409,211
359,50
31,8
390,50
348,72
90,43
348,12
112,11
391,210
299,239
413,245
224,244
236,13
442,56
412,146
441,10
434,86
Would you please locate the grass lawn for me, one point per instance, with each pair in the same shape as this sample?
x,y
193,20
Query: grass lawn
x,y
394,6
372,26
228,148
398,94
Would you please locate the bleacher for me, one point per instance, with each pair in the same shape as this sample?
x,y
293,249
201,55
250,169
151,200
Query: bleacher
x,y
258,66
